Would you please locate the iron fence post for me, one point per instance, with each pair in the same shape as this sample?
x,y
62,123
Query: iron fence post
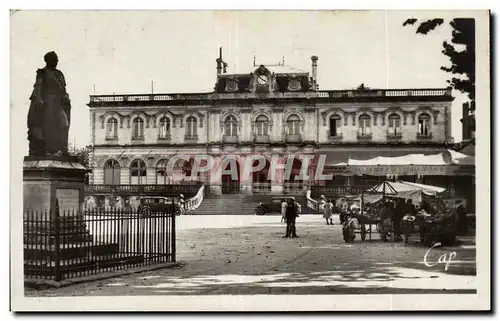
x,y
173,232
57,244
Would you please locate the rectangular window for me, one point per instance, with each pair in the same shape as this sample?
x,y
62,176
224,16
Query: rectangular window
x,y
334,127
395,126
138,129
423,127
364,127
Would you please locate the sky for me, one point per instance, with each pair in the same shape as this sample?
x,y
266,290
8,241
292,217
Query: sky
x,y
123,51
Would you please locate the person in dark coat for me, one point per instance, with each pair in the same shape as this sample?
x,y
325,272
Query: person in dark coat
x,y
397,218
291,216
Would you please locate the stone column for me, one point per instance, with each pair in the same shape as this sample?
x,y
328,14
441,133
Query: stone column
x,y
277,180
245,176
215,183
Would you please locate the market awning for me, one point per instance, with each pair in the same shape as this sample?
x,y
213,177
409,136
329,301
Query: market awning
x,y
413,159
403,189
461,159
428,189
389,163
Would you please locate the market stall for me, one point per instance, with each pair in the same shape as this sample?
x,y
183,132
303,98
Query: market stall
x,y
377,209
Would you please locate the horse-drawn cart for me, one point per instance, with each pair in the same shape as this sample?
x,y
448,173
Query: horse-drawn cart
x,y
375,210
358,224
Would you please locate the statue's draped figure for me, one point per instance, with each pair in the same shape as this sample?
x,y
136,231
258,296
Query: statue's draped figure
x,y
49,114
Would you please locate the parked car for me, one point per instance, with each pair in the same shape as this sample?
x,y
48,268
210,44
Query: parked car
x,y
159,204
274,206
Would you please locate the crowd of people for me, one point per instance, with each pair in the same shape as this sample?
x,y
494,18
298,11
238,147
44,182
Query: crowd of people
x,y
389,212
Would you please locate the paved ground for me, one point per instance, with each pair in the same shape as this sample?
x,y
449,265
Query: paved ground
x,y
247,255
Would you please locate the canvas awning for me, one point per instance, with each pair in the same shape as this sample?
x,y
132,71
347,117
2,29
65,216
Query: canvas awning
x,y
403,189
400,163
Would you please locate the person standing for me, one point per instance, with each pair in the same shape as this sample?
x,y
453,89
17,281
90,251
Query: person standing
x,y
291,216
283,211
398,217
327,213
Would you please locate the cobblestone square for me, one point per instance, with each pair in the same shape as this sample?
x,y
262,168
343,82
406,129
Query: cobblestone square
x,y
242,255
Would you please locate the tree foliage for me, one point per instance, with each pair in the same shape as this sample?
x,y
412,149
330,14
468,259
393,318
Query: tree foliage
x,y
461,52
83,155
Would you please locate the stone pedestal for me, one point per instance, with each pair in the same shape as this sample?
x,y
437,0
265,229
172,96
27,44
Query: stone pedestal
x,y
53,179
55,231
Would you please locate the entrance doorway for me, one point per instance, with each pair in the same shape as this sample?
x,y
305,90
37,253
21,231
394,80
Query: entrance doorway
x,y
294,183
261,182
230,177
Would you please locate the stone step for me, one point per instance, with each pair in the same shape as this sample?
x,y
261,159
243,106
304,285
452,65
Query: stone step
x,y
93,264
242,204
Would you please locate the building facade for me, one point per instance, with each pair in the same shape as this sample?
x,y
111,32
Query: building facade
x,y
271,110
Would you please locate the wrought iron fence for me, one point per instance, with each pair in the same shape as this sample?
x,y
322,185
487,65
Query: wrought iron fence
x,y
293,186
188,187
61,245
341,190
261,187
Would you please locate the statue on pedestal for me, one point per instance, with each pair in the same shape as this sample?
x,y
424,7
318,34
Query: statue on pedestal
x,y
50,111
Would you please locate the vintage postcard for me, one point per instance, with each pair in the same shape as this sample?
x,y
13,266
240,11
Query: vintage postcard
x,y
320,160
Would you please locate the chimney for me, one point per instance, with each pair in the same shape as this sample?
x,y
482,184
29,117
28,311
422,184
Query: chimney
x,y
465,121
219,62
314,60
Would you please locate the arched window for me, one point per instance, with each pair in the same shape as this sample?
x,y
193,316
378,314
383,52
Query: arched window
x,y
293,125
112,128
394,124
164,128
191,130
137,172
261,126
364,125
138,128
111,172
162,177
335,126
424,125
231,126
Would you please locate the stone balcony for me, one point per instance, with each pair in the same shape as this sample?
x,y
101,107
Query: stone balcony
x,y
164,138
263,139
392,136
191,138
230,139
335,138
293,138
364,136
424,137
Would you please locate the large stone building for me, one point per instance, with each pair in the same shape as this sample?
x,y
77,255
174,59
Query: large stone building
x,y
271,110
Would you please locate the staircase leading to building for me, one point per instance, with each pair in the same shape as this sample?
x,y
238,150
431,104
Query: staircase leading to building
x,y
241,204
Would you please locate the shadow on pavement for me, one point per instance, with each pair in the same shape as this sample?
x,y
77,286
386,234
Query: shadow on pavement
x,y
257,260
